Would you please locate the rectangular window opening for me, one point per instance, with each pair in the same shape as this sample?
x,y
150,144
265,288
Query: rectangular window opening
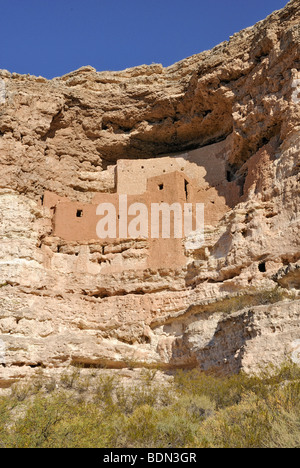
x,y
186,184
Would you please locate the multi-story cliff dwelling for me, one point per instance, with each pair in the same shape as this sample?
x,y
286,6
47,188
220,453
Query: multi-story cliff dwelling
x,y
220,128
165,180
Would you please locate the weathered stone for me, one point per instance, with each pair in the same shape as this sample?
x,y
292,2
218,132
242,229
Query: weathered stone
x,y
229,119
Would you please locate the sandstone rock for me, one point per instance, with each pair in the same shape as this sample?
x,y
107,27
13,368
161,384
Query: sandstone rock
x,y
229,119
289,277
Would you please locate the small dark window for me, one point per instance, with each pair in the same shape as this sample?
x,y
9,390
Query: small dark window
x,y
42,200
161,186
186,184
79,213
262,267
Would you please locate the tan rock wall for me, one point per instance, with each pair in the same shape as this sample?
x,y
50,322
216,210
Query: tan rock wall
x,y
230,117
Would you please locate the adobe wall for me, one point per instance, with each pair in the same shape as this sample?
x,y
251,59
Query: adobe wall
x,y
72,227
207,166
213,159
132,175
198,176
77,222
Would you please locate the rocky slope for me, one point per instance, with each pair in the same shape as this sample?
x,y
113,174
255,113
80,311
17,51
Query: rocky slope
x,y
235,305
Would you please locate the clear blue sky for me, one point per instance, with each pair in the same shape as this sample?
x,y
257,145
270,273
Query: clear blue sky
x,y
53,37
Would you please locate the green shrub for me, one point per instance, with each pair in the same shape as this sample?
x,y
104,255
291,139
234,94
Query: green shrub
x,y
195,409
240,426
223,391
5,416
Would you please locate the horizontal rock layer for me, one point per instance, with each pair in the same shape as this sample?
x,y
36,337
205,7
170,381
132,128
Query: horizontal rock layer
x,y
66,135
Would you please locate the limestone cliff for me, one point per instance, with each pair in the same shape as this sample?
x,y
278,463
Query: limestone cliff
x,y
230,119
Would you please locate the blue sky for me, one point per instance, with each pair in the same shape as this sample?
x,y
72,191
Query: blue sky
x,y
53,37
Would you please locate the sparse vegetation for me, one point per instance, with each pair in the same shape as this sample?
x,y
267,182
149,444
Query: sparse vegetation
x,y
255,298
191,410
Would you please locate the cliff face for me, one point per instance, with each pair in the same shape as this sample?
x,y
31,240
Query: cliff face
x,y
231,117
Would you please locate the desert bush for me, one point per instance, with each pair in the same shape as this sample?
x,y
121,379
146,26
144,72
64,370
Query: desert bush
x,y
257,422
5,416
23,391
153,428
195,410
59,421
50,385
104,390
127,400
69,379
223,391
240,426
285,431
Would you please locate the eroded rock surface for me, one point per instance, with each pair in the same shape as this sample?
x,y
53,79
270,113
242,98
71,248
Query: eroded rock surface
x,y
231,118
